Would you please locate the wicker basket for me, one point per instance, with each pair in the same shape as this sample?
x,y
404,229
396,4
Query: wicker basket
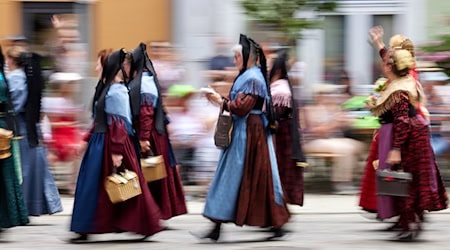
x,y
5,143
153,168
123,186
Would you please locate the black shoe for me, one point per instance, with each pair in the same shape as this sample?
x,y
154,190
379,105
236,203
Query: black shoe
x,y
79,239
277,234
213,235
407,236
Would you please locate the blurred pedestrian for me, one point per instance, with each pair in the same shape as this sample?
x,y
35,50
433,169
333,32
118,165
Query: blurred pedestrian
x,y
111,149
63,115
220,67
222,58
246,189
344,79
186,128
410,148
13,211
167,64
150,122
25,86
290,157
326,123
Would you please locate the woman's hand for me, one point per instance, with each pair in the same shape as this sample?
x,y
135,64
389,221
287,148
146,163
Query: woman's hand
x,y
117,160
375,164
57,23
81,148
214,97
394,157
376,37
145,146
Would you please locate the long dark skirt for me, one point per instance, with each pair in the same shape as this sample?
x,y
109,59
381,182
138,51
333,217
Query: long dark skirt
x,y
93,210
427,191
168,192
39,188
290,174
256,203
13,211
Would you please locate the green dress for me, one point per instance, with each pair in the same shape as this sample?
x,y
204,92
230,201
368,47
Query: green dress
x,y
12,207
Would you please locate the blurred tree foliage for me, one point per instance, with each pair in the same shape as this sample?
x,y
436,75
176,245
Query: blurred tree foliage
x,y
281,14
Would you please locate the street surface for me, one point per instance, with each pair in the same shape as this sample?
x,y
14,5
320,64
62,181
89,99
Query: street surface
x,y
325,222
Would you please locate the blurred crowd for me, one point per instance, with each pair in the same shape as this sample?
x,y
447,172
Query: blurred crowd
x,y
335,127
336,123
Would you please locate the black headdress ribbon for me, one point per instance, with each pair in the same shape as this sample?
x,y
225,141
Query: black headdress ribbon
x,y
247,43
141,62
113,63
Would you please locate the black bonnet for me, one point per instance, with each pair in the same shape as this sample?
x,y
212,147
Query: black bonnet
x,y
245,43
139,56
113,64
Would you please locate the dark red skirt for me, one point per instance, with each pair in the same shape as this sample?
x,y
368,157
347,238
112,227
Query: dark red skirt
x,y
256,204
290,174
168,192
368,195
139,214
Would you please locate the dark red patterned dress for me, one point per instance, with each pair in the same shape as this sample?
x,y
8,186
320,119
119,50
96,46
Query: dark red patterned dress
x,y
412,136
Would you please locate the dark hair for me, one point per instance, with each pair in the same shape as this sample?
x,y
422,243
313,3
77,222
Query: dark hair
x,y
279,66
103,54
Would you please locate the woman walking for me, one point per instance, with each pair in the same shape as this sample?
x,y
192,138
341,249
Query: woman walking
x,y
246,188
410,147
111,149
290,157
13,211
25,85
150,121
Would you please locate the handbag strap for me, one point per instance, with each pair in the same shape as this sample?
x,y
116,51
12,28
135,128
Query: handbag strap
x,y
221,108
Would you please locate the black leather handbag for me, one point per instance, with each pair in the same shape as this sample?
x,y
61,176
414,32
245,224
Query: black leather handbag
x,y
393,183
224,129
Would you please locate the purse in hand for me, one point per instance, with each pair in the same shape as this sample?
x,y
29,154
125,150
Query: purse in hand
x,y
393,183
224,129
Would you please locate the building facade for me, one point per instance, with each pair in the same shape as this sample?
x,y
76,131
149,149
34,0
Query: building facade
x,y
343,43
102,23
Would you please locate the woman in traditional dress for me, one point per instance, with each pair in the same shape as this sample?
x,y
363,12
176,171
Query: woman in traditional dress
x,y
368,197
25,86
13,211
410,147
246,188
111,146
290,157
149,119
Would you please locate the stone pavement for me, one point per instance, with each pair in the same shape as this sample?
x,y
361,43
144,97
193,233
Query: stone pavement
x,y
325,222
313,204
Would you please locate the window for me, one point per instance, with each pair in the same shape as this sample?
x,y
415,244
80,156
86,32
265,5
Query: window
x,y
334,46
